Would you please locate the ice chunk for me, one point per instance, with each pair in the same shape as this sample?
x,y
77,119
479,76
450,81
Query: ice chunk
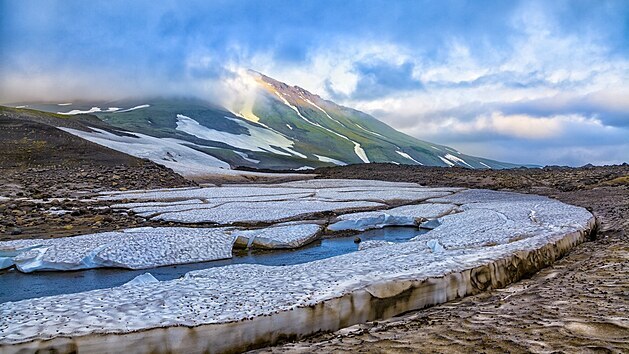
x,y
408,215
282,236
435,246
6,262
430,224
132,248
142,279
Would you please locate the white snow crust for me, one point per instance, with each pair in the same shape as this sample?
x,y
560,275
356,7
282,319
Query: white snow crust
x,y
280,236
132,248
168,152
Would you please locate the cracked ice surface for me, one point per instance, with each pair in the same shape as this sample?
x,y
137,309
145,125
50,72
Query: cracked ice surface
x,y
340,183
155,204
490,218
381,194
408,215
212,194
488,228
149,210
133,248
262,211
281,236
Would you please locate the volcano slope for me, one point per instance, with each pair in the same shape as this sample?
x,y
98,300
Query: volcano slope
x,y
579,304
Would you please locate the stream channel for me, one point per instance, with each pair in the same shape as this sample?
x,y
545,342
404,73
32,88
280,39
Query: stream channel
x,y
15,285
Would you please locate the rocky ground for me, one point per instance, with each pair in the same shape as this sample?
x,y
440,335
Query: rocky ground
x,y
41,166
580,304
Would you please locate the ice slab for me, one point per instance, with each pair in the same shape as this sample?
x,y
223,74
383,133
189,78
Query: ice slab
x,y
165,207
155,204
280,236
237,306
210,194
6,262
381,194
339,183
408,215
133,249
262,212
490,218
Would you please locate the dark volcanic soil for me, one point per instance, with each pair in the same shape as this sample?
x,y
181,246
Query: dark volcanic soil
x,y
580,304
39,162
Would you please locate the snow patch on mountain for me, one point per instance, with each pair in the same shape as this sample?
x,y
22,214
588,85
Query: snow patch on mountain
x,y
369,131
457,159
446,161
168,152
484,164
403,154
259,139
246,157
331,160
78,111
134,108
360,152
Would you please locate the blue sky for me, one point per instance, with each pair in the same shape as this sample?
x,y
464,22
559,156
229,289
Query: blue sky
x,y
534,81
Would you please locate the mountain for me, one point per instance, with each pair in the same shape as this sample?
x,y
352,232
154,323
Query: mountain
x,y
40,159
267,125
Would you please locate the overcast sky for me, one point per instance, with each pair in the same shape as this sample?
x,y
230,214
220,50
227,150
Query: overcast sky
x,y
531,82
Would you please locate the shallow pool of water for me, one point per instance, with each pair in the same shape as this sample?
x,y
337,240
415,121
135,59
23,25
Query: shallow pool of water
x,y
15,286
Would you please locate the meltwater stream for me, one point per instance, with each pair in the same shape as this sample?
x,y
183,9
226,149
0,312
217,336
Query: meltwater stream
x,y
15,286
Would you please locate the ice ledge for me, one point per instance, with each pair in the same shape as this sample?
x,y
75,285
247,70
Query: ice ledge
x,y
137,248
387,297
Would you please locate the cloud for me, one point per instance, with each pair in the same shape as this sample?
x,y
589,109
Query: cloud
x,y
379,79
523,81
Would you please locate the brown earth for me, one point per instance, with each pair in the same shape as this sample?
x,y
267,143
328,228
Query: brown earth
x,y
41,165
580,304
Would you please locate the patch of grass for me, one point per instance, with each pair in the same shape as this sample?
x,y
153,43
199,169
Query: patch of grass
x,y
618,181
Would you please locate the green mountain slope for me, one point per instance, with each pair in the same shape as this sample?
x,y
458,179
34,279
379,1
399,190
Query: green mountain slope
x,y
276,126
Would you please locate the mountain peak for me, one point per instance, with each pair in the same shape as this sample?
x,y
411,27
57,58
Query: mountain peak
x,y
267,124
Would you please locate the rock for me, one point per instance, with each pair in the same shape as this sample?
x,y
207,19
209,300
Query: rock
x,y
16,231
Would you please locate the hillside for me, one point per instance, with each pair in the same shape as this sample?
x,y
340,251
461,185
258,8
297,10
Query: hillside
x,y
271,126
38,155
